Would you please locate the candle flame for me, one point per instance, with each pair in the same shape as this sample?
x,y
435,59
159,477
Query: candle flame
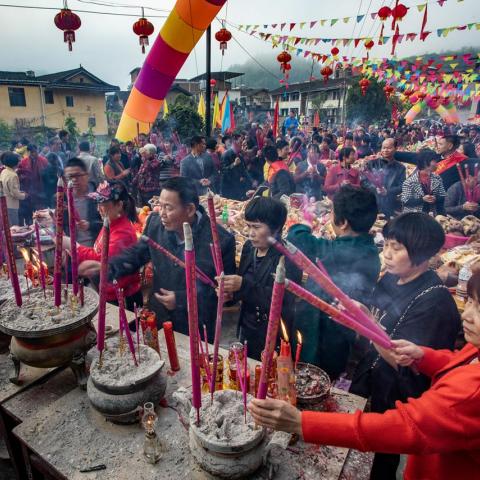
x,y
25,254
284,331
299,337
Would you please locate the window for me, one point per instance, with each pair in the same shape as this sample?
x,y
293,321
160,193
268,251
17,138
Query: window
x,y
69,100
284,112
17,97
295,96
48,94
92,122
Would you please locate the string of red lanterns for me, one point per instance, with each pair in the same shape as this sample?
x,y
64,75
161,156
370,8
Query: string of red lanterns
x,y
143,28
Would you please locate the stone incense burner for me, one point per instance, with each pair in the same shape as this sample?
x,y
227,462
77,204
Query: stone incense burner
x,y
46,337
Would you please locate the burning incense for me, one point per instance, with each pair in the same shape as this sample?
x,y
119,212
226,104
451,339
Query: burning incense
x,y
122,317
38,243
217,251
298,350
102,304
339,316
57,271
199,274
73,237
218,331
304,264
205,359
272,328
192,307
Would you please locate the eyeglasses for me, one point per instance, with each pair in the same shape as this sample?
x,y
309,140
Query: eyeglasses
x,y
72,177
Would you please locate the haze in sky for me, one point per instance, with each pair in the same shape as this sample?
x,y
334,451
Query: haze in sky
x,y
107,46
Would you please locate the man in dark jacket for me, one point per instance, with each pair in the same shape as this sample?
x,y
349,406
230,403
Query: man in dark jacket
x,y
236,180
352,262
178,203
198,166
391,174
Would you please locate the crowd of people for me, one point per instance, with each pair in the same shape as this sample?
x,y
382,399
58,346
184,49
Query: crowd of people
x,y
363,173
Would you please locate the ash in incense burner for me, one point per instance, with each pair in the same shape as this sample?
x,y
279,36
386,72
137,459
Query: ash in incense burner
x,y
312,383
6,290
44,336
223,444
118,388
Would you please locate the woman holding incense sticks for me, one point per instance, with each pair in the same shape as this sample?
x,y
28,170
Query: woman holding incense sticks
x,y
463,197
440,431
410,302
253,283
118,205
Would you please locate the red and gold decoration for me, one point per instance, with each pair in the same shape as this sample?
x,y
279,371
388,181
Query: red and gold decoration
x,y
335,51
388,90
364,84
284,59
143,28
68,22
223,36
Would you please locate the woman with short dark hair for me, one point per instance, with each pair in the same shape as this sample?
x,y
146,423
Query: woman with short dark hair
x,y
253,284
411,302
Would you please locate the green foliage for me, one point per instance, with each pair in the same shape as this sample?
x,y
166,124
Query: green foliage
x,y
71,127
6,134
371,107
183,117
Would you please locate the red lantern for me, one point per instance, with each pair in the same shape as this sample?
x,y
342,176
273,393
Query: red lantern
x,y
284,59
364,84
143,28
335,51
67,21
213,82
445,101
384,13
407,93
421,95
369,44
399,12
326,72
223,36
388,89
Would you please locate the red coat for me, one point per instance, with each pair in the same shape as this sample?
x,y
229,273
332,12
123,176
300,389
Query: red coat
x,y
336,175
440,430
122,236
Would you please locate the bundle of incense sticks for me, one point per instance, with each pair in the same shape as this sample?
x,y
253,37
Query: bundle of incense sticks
x,y
319,276
203,277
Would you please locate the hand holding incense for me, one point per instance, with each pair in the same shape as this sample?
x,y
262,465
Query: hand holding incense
x,y
192,307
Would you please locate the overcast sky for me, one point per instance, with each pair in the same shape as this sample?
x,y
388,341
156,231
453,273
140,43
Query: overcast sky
x,y
106,45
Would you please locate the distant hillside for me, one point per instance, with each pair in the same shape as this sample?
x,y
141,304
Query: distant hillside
x,y
257,77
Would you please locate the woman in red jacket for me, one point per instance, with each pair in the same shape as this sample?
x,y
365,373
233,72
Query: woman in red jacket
x,y
440,430
115,203
342,173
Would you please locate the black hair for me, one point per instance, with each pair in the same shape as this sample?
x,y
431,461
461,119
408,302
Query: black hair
x,y
357,138
296,143
349,136
32,148
128,201
453,139
345,152
473,286
270,154
10,159
129,144
52,140
316,138
196,140
225,138
314,146
77,162
114,150
185,188
419,233
84,146
357,206
62,134
267,210
425,158
281,144
469,149
211,143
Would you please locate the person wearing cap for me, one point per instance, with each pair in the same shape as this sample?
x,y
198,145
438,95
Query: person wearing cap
x,y
147,180
118,206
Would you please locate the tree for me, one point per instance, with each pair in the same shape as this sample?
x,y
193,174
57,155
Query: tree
x,y
183,118
369,108
5,134
71,127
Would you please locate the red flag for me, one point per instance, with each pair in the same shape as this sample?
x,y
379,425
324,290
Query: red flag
x,y
316,120
232,119
424,22
275,119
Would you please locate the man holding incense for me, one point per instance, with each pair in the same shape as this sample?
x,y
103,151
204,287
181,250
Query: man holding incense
x,y
178,203
353,263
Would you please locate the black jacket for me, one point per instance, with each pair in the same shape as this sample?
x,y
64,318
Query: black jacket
x,y
282,184
189,167
395,175
236,180
171,277
256,295
455,200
